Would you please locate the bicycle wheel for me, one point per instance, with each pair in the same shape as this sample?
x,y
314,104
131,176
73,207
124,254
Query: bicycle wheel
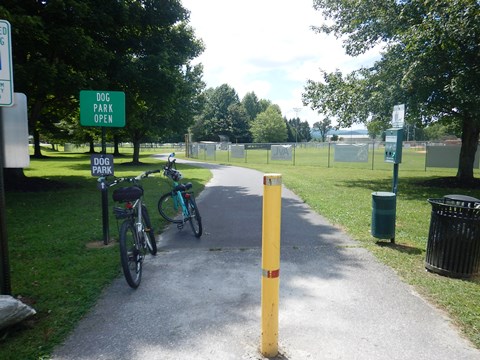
x,y
150,238
169,208
130,254
195,218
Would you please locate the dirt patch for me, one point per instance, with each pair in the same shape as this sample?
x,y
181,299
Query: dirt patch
x,y
100,245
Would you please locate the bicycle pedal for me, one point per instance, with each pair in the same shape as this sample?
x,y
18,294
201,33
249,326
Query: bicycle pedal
x,y
179,226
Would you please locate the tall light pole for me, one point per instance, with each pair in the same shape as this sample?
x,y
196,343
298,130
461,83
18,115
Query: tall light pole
x,y
297,111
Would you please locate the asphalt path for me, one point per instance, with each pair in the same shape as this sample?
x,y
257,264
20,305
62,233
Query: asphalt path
x,y
200,298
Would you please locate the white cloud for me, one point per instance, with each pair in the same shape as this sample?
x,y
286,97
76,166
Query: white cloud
x,y
268,47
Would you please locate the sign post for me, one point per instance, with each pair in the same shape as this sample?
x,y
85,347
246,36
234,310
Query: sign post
x,y
105,109
394,142
6,99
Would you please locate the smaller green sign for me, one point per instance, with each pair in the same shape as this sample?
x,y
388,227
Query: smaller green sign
x,y
102,108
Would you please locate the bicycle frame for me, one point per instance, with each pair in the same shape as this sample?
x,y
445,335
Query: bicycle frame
x,y
179,199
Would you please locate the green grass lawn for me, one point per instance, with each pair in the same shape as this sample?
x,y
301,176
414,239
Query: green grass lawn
x,y
343,194
55,267
58,261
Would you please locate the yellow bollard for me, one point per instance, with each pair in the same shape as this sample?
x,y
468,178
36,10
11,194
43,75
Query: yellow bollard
x,y
272,206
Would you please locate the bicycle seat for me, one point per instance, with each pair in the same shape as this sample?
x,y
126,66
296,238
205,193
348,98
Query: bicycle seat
x,y
130,193
183,187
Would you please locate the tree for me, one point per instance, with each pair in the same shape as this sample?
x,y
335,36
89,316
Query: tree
x,y
237,115
252,105
375,128
143,48
323,127
215,119
54,53
298,130
269,126
429,63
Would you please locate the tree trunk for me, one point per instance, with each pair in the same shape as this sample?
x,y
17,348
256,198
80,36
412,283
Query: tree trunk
x,y
136,152
92,146
37,150
32,123
470,136
116,150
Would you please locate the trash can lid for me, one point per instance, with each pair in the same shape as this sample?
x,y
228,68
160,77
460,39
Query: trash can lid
x,y
458,197
383,194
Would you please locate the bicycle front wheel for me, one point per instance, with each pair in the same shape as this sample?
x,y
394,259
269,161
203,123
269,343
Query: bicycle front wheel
x,y
195,218
170,209
147,226
130,254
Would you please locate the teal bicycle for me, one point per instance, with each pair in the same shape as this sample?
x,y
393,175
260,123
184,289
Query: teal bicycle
x,y
178,206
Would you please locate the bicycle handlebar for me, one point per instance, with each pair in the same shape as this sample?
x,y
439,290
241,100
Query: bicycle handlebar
x,y
103,179
170,163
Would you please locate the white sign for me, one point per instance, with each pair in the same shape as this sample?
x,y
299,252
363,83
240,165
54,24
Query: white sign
x,y
398,116
238,151
351,153
281,152
6,68
15,133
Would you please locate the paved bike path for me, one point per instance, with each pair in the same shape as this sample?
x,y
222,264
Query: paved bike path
x,y
200,299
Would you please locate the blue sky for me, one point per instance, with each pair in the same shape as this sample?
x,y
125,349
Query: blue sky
x,y
268,47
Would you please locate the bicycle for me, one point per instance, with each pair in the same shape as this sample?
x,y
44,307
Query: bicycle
x,y
136,234
178,206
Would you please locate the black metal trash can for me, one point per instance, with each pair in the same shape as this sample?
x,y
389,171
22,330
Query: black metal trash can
x,y
453,247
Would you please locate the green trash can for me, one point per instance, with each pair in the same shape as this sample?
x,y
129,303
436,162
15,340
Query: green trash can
x,y
384,207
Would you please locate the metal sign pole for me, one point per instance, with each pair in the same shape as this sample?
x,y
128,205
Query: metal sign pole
x,y
5,264
6,99
104,189
395,179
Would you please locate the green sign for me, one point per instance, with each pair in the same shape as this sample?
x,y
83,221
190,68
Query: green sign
x,y
102,108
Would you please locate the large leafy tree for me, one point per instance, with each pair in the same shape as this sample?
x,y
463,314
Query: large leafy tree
x,y
252,105
269,126
54,54
431,52
161,87
217,118
140,47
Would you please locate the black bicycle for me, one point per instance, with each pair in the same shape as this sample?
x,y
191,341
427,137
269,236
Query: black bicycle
x,y
136,232
178,206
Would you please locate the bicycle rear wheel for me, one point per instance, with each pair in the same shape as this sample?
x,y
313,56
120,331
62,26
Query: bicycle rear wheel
x,y
195,218
130,254
150,238
170,209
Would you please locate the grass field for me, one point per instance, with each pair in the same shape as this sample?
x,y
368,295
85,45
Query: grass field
x,y
59,265
320,156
